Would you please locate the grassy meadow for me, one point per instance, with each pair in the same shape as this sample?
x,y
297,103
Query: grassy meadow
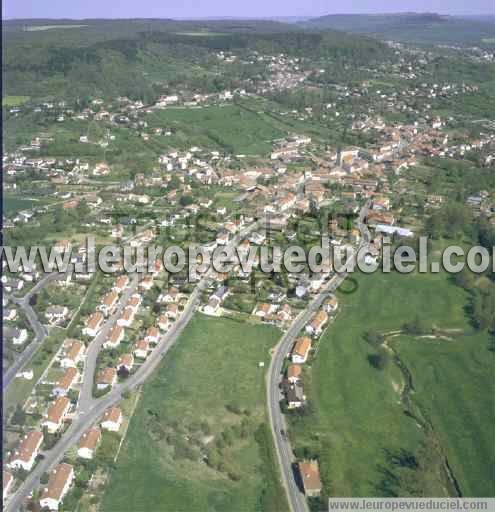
x,y
358,425
229,127
207,400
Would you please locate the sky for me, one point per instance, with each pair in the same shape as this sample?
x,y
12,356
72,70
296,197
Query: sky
x,y
77,9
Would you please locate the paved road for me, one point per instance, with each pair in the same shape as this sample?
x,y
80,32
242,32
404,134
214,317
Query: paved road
x,y
90,409
38,328
285,455
86,392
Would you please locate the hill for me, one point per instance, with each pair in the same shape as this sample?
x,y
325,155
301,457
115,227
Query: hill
x,y
140,58
421,28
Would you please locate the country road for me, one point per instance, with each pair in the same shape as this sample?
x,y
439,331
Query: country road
x,y
285,455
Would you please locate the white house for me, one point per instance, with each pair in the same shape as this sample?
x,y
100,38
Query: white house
x,y
93,324
88,443
56,414
25,455
74,351
115,336
112,419
58,486
301,350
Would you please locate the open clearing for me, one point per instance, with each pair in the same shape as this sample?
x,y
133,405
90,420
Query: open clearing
x,y
39,28
357,422
208,397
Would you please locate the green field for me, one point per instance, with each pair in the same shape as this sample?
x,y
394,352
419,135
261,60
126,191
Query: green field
x,y
208,390
14,101
229,127
13,204
357,423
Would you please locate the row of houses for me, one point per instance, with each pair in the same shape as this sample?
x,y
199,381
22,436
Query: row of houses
x,y
62,476
293,388
107,377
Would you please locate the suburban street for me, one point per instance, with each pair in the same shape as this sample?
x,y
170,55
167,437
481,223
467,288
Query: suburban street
x,y
285,455
39,329
90,409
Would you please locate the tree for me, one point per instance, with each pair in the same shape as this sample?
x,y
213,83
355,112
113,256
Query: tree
x,y
59,219
82,210
379,361
417,327
483,308
465,279
186,200
123,372
374,338
19,416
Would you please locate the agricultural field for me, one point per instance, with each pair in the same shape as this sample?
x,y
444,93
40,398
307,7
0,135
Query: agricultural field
x,y
14,101
390,430
223,127
13,204
199,438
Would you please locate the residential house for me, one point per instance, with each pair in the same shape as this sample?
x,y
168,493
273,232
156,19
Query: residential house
x,y
127,317
331,304
88,443
310,476
171,295
65,383
121,284
117,231
263,310
295,396
284,314
56,414
134,302
172,311
212,307
141,349
316,282
12,284
93,324
125,361
106,378
58,486
163,322
381,203
315,327
152,335
56,314
146,283
301,350
9,314
115,336
112,419
25,455
109,302
222,238
74,351
62,245
294,373
15,335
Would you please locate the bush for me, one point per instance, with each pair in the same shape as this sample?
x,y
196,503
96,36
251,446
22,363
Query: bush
x,y
374,338
379,360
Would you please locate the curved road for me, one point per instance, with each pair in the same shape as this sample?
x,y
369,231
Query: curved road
x,y
285,455
39,329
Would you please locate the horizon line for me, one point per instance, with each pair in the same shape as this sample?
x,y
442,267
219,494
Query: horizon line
x,y
258,18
